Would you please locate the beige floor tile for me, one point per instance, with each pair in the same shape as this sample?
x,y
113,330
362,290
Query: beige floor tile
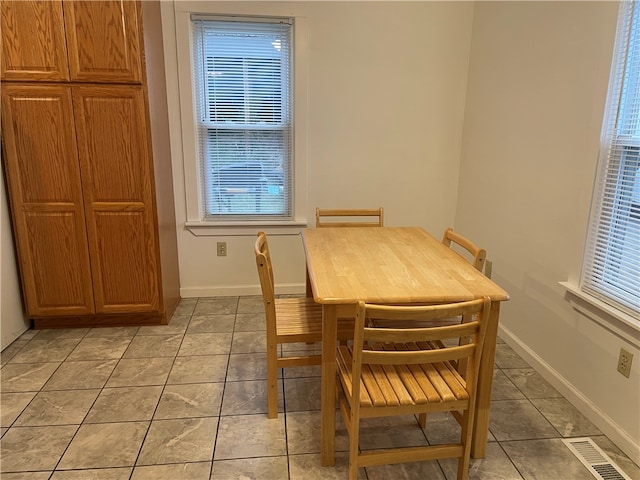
x,y
251,322
132,372
308,467
199,369
206,344
104,445
81,374
407,471
11,351
12,405
251,304
190,471
125,404
216,306
248,397
248,366
185,307
66,407
179,441
94,474
264,468
100,348
391,432
146,346
26,476
248,436
302,394
176,326
49,350
34,448
249,342
25,377
190,400
59,333
211,324
128,332
496,465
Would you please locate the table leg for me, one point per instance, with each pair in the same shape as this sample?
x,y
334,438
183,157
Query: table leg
x,y
485,381
328,395
309,291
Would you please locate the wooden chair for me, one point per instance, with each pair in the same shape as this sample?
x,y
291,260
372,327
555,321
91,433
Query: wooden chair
x,y
363,217
289,320
399,371
478,254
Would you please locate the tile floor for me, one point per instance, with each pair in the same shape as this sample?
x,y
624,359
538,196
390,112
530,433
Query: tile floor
x,y
187,401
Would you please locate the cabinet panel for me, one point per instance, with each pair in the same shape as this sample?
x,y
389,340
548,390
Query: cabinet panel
x,y
33,41
118,193
125,263
45,192
60,283
104,41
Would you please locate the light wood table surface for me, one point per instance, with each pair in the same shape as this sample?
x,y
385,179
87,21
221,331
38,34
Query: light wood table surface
x,y
391,265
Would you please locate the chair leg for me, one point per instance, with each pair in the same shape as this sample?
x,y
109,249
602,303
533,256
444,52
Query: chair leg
x,y
272,381
465,436
353,450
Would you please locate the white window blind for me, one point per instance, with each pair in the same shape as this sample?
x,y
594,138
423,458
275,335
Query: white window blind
x,y
611,266
244,124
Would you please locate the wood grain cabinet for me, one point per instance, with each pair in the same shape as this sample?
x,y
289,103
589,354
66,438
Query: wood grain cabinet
x,y
79,165
96,41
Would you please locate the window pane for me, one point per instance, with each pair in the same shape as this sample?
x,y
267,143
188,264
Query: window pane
x,y
244,118
245,173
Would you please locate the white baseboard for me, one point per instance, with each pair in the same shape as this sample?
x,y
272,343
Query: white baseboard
x,y
601,420
238,290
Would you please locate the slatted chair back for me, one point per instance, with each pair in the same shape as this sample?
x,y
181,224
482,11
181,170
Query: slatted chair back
x,y
455,241
399,371
362,217
267,285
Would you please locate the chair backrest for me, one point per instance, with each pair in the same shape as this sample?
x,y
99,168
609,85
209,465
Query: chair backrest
x,y
479,254
355,217
424,345
265,273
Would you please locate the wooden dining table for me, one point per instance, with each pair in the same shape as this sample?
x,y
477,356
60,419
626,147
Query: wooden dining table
x,y
391,265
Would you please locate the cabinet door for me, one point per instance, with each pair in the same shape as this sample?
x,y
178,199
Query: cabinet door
x,y
33,41
103,39
119,204
42,169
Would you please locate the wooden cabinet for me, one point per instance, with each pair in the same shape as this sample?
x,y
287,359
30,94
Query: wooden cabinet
x,y
95,41
43,175
79,165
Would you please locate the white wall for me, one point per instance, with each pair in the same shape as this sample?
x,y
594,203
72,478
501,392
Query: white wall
x,y
537,85
12,320
386,99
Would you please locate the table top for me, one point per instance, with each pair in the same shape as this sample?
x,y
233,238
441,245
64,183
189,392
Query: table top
x,y
389,265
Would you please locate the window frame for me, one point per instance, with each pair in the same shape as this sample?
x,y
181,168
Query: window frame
x,y
192,171
599,276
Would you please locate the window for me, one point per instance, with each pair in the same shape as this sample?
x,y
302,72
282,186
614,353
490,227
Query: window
x,y
611,265
242,80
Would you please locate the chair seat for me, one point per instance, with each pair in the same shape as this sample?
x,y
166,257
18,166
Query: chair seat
x,y
404,385
300,320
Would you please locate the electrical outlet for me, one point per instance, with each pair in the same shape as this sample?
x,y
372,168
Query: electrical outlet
x,y
488,266
624,362
222,249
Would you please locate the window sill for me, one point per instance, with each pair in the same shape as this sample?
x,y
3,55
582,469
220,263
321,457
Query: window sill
x,y
204,229
609,317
